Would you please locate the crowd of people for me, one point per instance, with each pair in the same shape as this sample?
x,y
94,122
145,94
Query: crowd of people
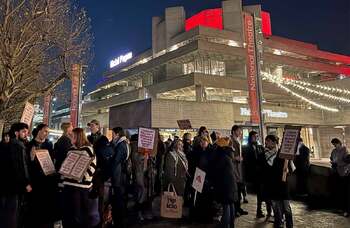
x,y
119,174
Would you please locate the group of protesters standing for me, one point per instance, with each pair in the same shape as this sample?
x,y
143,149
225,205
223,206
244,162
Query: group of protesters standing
x,y
118,173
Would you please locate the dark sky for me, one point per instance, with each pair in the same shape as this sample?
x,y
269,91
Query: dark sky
x,y
120,26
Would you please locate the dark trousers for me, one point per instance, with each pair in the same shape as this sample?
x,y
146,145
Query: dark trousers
x,y
76,207
241,189
228,216
280,208
119,207
9,211
344,193
259,201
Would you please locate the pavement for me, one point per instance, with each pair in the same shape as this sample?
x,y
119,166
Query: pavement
x,y
303,217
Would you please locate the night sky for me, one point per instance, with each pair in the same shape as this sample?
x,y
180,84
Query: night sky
x,y
120,26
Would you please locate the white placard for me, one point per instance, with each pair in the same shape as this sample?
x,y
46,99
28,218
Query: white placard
x,y
198,180
146,138
45,161
27,114
75,166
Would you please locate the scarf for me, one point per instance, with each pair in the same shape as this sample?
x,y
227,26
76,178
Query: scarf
x,y
179,156
270,156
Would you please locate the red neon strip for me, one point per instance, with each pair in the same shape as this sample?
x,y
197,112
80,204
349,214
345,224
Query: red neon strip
x,y
211,18
266,24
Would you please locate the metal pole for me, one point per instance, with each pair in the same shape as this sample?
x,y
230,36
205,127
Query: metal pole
x,y
259,63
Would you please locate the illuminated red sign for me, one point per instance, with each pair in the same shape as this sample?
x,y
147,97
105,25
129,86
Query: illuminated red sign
x,y
211,18
47,104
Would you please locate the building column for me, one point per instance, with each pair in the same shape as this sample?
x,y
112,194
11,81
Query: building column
x,y
200,93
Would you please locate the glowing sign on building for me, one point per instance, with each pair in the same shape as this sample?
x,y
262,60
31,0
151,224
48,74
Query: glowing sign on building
x,y
267,112
121,59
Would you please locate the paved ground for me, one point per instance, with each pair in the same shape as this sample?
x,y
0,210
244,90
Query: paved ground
x,y
303,218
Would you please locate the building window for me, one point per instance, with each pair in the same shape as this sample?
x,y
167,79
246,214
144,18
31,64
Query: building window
x,y
205,66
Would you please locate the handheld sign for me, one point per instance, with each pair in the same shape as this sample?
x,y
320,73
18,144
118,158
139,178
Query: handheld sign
x,y
288,147
75,165
184,124
289,142
27,114
198,182
147,141
45,162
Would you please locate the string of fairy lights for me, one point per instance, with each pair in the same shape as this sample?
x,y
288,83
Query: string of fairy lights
x,y
327,92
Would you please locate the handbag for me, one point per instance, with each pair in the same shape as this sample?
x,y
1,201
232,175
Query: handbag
x,y
171,203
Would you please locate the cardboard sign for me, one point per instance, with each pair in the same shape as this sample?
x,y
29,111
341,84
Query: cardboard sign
x,y
147,141
28,114
184,124
45,161
289,142
198,180
75,165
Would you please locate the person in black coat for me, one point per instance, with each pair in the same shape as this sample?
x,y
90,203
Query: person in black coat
x,y
119,176
253,163
14,176
43,208
275,188
302,164
63,145
221,172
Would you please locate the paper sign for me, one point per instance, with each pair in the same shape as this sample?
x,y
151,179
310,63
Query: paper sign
x,y
184,124
28,114
289,142
45,161
147,141
75,165
198,180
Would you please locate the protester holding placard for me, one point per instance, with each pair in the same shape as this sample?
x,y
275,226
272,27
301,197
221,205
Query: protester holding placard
x,y
76,193
176,168
42,201
275,188
14,176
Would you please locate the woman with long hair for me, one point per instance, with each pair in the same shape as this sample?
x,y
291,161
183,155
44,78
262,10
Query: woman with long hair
x,y
76,193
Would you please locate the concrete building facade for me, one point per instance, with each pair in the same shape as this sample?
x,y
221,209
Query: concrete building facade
x,y
196,70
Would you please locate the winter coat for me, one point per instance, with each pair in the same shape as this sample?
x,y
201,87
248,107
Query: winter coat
x,y
118,163
273,186
175,171
61,149
302,159
94,137
43,205
251,164
236,146
340,161
221,173
13,168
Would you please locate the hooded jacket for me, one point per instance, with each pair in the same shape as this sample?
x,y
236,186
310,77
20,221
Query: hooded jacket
x,y
118,162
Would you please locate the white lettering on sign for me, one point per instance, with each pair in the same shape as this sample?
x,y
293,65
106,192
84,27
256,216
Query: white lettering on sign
x,y
268,112
121,59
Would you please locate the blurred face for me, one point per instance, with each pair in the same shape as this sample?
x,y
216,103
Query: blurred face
x,y
255,138
43,134
179,146
270,144
7,139
70,130
93,128
188,138
238,133
337,145
74,138
204,144
22,134
115,136
205,133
